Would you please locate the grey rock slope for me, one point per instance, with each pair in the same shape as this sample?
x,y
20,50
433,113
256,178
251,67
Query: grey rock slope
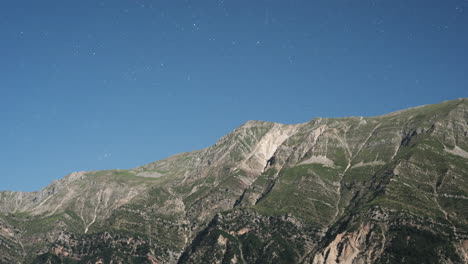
x,y
385,189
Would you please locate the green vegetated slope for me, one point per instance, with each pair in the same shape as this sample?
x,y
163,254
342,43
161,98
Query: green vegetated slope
x,y
385,189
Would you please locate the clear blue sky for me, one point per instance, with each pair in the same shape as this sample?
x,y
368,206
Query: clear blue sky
x,y
91,85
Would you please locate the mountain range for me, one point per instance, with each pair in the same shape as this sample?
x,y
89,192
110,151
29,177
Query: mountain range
x,y
383,189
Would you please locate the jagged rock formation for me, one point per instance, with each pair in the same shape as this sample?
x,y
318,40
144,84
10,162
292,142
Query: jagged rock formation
x,y
385,189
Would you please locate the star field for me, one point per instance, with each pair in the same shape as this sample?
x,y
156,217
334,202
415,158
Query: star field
x,y
90,85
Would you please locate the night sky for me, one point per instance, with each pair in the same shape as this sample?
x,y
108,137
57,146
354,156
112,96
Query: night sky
x,y
88,85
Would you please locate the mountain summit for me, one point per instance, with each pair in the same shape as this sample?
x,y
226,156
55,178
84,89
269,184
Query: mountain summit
x,y
384,189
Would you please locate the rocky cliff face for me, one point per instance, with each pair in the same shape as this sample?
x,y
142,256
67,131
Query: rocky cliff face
x,y
383,189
